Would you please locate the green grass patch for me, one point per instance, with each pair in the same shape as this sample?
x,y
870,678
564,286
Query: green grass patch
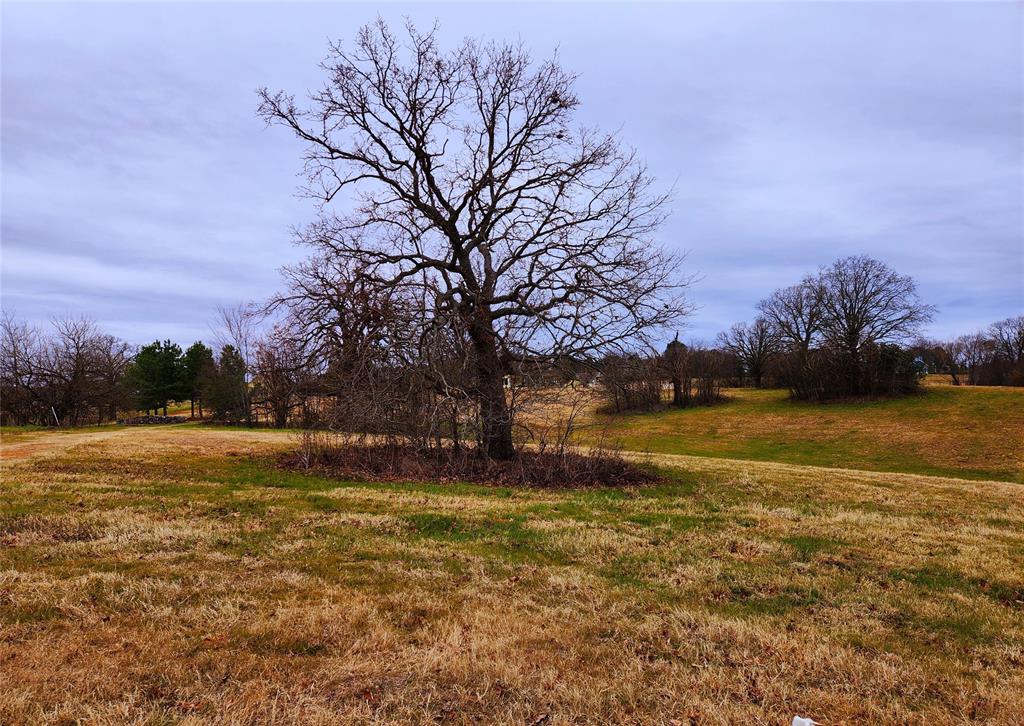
x,y
962,432
937,577
807,546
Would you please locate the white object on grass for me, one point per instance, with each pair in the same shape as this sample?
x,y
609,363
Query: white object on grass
x,y
801,721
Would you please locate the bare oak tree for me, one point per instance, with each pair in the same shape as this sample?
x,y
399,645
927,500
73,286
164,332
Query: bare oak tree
x,y
795,313
753,345
465,178
865,301
969,354
1008,336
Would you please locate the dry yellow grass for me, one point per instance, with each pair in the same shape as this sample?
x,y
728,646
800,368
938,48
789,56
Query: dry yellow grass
x,y
173,575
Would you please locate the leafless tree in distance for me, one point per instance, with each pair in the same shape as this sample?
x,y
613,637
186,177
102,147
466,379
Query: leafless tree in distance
x,y
239,328
465,177
70,374
969,354
753,345
795,313
844,330
1008,336
279,374
865,302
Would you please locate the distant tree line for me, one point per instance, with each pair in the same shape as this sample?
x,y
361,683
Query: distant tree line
x,y
842,332
990,357
349,356
852,330
71,373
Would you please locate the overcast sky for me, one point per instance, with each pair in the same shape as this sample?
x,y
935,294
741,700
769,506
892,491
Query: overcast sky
x,y
140,188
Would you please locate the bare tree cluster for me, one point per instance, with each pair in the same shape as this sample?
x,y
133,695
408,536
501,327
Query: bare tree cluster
x,y
496,232
754,348
355,359
691,375
282,384
631,382
844,331
992,357
69,374
695,372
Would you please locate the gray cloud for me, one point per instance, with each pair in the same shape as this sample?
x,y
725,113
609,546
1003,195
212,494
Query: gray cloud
x,y
139,187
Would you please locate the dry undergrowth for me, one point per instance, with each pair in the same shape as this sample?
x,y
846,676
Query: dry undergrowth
x,y
176,575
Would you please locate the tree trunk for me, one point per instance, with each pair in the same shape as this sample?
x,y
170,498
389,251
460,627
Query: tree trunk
x,y
456,443
193,402
855,387
496,420
677,391
853,362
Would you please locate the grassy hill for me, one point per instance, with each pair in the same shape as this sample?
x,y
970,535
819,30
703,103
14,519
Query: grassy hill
x,y
175,574
160,575
967,432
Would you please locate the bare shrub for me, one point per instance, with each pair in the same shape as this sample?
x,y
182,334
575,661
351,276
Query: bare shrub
x,y
631,382
545,469
705,367
695,372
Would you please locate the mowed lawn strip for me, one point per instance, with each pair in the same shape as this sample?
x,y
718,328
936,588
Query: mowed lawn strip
x,y
964,432
167,574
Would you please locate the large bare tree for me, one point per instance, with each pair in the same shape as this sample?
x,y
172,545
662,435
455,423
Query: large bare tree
x,y
462,174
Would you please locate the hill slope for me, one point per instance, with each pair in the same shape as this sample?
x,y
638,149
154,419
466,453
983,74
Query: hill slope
x,y
966,432
174,574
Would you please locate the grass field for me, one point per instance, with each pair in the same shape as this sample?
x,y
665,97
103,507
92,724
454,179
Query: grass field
x,y
173,574
974,433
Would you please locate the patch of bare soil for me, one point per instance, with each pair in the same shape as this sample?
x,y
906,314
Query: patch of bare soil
x,y
20,451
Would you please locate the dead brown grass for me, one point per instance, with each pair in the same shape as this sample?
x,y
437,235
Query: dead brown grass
x,y
173,575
